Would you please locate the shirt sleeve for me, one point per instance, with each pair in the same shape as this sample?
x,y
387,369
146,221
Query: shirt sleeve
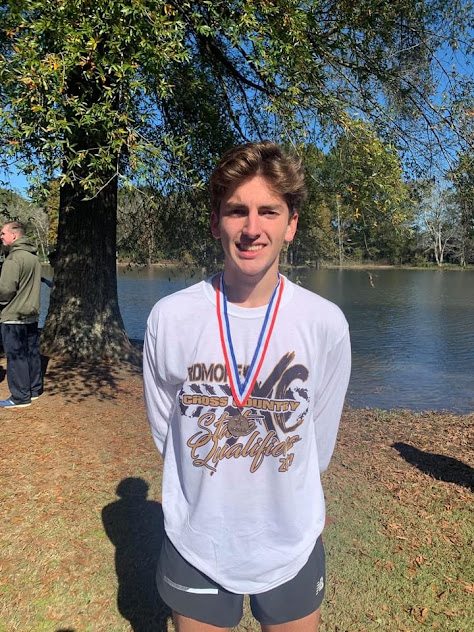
x,y
160,396
330,399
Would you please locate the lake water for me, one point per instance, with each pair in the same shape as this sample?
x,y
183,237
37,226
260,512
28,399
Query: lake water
x,y
412,330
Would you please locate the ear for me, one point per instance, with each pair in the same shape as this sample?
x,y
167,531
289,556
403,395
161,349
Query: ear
x,y
291,228
215,228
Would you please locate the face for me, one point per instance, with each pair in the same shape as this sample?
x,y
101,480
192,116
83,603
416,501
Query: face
x,y
7,236
253,224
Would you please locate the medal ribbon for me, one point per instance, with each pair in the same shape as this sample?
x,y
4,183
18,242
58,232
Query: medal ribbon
x,y
241,391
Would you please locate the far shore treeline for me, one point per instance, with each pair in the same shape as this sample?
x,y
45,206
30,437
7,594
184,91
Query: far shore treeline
x,y
360,209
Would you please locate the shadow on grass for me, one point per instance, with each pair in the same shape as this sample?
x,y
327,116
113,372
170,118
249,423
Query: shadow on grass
x,y
77,380
439,466
135,527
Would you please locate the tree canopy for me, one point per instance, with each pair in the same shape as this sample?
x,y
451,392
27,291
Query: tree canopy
x,y
152,91
100,87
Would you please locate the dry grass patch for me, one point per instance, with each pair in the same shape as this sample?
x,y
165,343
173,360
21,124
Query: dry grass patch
x,y
82,527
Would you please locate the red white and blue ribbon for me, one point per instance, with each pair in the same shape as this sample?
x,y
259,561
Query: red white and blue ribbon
x,y
241,391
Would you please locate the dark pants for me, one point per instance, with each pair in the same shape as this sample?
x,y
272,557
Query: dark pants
x,y
24,375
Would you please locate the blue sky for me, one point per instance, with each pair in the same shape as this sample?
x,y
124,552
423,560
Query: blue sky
x,y
14,180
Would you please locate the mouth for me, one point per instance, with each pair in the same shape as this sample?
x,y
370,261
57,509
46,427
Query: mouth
x,y
250,247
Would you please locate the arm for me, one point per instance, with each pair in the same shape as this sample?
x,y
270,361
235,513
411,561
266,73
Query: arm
x,y
160,396
9,280
330,399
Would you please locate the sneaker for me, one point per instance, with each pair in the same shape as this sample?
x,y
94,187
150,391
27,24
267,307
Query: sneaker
x,y
33,397
9,403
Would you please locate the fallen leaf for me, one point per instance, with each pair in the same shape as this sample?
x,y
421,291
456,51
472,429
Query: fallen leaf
x,y
419,560
419,613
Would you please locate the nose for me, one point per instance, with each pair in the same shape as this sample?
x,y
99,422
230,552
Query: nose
x,y
252,228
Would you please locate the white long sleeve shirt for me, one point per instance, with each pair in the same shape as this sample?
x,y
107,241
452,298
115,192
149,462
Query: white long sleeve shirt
x,y
245,505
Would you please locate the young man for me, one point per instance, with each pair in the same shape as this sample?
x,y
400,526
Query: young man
x,y
245,376
20,287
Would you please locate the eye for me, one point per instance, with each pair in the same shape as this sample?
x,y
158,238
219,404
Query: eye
x,y
236,212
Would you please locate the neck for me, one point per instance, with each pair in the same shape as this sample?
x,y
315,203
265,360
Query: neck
x,y
247,293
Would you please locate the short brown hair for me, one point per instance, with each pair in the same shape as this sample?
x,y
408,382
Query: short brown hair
x,y
283,172
16,227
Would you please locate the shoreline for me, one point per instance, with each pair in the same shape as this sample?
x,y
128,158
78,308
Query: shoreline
x,y
323,266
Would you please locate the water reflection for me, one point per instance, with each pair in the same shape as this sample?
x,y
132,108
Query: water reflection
x,y
412,333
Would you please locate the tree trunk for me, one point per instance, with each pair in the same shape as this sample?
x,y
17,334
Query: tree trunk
x,y
84,320
339,232
440,249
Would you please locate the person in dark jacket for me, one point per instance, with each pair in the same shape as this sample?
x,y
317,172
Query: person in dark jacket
x,y
20,283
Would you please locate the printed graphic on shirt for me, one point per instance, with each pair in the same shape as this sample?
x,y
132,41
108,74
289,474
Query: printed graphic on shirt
x,y
264,428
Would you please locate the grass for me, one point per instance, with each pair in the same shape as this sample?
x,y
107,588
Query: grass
x,y
82,519
400,550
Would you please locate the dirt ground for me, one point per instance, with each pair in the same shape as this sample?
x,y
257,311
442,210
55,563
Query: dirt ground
x,y
63,461
80,485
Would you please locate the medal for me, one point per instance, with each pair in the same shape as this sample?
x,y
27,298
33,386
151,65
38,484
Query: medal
x,y
241,391
240,426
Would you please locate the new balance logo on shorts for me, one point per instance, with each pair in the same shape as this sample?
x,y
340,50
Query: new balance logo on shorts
x,y
320,585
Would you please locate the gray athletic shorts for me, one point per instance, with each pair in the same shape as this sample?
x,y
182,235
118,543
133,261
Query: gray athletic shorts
x,y
192,594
